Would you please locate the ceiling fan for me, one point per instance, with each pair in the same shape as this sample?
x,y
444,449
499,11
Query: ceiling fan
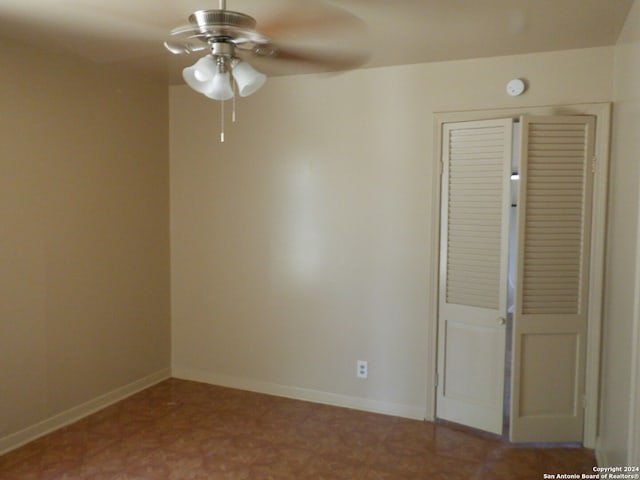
x,y
232,39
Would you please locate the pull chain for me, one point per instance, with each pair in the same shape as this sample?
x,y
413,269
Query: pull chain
x,y
222,121
235,94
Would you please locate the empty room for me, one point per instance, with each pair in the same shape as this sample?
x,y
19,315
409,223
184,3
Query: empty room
x,y
359,239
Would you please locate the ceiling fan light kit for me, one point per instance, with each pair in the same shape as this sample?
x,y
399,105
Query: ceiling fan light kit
x,y
210,74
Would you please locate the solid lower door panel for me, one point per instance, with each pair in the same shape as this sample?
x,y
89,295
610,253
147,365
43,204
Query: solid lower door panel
x,y
551,369
473,371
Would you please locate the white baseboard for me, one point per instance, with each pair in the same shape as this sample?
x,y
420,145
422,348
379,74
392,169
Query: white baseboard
x,y
601,455
297,393
74,414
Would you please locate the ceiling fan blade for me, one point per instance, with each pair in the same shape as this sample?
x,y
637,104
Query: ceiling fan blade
x,y
312,17
323,61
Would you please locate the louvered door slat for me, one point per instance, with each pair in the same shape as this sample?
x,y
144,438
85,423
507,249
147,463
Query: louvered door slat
x,y
560,223
475,216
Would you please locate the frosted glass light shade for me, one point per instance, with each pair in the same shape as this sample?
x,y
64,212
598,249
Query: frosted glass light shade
x,y
220,87
249,80
200,74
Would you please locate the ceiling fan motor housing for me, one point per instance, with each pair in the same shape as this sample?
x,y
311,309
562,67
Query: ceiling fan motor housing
x,y
209,26
206,19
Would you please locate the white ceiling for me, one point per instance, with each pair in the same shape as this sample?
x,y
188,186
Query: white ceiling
x,y
393,32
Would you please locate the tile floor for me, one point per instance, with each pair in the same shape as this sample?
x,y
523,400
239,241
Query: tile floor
x,y
185,430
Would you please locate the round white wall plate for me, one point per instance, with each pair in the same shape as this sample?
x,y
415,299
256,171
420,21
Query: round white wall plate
x,y
515,87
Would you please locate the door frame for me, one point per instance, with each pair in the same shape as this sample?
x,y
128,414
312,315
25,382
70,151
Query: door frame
x,y
602,113
633,456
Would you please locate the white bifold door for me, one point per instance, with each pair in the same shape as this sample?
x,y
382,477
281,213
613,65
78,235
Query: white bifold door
x,y
552,278
473,272
554,211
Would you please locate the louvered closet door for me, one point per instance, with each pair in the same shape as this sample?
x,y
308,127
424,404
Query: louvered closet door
x,y
473,272
550,320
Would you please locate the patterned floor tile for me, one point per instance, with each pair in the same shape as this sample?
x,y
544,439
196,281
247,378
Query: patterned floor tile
x,y
182,430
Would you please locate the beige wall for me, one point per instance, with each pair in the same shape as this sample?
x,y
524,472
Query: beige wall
x,y
621,267
303,243
84,234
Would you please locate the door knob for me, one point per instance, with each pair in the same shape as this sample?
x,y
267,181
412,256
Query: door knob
x,y
502,321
